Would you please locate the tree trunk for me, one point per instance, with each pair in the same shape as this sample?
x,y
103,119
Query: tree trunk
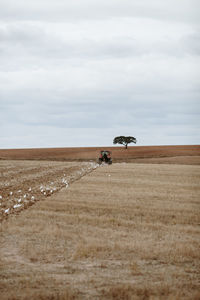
x,y
126,146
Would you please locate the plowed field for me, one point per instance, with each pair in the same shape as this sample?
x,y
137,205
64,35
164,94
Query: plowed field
x,y
22,183
185,154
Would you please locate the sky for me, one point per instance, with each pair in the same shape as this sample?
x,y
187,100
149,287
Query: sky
x,y
79,73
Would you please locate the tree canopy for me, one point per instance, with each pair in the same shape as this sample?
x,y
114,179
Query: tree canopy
x,y
124,140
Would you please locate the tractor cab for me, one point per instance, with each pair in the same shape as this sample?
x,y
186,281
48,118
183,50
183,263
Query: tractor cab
x,y
105,156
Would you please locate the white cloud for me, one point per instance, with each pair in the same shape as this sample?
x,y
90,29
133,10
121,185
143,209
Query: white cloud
x,y
66,10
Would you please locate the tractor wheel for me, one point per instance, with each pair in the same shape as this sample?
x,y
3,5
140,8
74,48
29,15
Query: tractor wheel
x,y
100,161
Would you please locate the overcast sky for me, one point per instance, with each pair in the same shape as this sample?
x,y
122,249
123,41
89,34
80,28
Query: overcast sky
x,y
79,73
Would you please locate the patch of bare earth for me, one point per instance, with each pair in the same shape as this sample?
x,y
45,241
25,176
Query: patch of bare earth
x,y
119,154
126,231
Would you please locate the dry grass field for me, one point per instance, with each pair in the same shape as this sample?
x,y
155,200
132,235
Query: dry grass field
x,y
125,231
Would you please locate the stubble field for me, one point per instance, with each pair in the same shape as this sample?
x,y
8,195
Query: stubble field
x,y
126,231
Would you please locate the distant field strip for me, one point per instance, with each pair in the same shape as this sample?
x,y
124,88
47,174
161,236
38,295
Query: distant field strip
x,y
126,231
118,153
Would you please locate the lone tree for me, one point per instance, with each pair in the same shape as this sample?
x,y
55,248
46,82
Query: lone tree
x,y
124,140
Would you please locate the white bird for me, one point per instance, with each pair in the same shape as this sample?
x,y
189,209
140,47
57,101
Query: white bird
x,y
25,196
17,205
0,197
7,210
11,193
29,190
19,200
32,198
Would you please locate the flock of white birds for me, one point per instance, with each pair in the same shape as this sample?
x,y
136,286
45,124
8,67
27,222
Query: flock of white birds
x,y
20,200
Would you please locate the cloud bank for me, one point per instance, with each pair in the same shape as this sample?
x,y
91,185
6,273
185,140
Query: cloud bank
x,y
80,73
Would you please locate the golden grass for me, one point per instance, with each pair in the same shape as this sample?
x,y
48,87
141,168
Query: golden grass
x,y
126,231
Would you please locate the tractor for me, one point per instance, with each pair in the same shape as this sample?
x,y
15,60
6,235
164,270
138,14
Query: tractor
x,y
105,156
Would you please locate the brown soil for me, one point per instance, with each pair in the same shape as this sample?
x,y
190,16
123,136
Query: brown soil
x,y
118,153
126,231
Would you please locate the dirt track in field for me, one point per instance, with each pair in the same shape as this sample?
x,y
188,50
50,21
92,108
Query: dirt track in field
x,y
126,231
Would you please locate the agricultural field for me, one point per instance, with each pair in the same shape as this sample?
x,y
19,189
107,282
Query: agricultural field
x,y
186,154
125,231
25,182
